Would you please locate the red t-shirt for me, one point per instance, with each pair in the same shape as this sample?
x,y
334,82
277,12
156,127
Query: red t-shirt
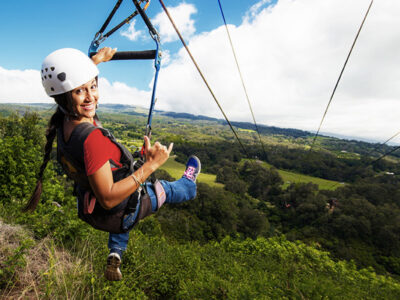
x,y
98,149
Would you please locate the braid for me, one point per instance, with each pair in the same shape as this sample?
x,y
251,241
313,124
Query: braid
x,y
56,121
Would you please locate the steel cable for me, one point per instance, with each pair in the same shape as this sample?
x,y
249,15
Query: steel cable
x,y
202,76
341,73
241,77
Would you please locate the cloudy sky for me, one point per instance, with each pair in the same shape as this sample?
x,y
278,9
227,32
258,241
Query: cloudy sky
x,y
290,53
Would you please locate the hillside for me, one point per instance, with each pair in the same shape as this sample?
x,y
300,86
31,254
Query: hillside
x,y
154,267
270,134
271,226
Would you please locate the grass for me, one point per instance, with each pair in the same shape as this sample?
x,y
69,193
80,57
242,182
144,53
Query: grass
x,y
290,177
176,169
323,184
246,130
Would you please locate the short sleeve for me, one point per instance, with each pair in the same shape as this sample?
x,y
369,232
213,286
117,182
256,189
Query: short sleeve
x,y
98,149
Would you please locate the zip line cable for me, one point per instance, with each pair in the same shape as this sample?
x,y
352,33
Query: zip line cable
x,y
340,76
386,154
337,83
241,77
201,74
384,143
379,158
388,140
382,156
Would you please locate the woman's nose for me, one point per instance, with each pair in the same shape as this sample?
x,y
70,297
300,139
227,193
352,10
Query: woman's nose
x,y
90,95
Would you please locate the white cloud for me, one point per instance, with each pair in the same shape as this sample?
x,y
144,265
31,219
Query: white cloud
x,y
255,10
131,33
166,57
118,92
21,86
291,55
181,15
25,87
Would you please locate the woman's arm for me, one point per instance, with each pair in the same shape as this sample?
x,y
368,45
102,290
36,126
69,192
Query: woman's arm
x,y
110,193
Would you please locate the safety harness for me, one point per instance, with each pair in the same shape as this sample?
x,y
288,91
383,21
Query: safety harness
x,y
71,156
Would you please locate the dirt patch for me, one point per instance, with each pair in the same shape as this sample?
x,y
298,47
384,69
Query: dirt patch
x,y
39,267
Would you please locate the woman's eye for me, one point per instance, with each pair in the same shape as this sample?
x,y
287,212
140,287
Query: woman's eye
x,y
94,87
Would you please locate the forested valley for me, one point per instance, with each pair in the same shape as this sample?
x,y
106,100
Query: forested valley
x,y
260,229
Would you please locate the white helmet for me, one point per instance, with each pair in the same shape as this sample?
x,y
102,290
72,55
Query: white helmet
x,y
66,69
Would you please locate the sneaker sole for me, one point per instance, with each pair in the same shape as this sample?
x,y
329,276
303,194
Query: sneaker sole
x,y
113,272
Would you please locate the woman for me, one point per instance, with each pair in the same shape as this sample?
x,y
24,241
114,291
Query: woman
x,y
110,186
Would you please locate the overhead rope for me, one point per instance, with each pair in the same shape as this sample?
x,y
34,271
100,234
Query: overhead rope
x,y
384,143
241,77
202,76
384,155
379,158
100,37
128,55
389,139
374,162
341,73
336,85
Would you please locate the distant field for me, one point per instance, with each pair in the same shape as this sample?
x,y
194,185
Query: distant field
x,y
290,177
176,169
246,130
294,177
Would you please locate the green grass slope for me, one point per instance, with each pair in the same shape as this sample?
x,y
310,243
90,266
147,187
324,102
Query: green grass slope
x,y
323,184
292,177
156,268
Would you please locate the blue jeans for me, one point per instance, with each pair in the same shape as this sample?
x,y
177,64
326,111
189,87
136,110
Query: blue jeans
x,y
176,192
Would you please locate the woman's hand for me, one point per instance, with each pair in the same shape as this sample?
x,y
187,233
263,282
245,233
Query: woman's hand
x,y
157,154
103,55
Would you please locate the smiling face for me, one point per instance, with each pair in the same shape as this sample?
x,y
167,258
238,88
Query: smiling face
x,y
84,100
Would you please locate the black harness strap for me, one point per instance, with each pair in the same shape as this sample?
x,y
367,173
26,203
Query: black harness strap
x,y
111,15
100,37
150,26
70,154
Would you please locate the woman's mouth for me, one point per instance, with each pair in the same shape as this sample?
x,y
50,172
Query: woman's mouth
x,y
88,107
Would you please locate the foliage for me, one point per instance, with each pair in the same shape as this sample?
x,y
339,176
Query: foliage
x,y
230,241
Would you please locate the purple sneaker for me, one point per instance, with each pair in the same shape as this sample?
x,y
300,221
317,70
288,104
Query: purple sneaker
x,y
193,167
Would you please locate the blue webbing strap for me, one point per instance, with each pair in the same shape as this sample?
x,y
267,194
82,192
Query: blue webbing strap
x,y
157,65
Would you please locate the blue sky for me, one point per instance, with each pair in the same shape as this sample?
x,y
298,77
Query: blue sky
x,y
32,29
290,53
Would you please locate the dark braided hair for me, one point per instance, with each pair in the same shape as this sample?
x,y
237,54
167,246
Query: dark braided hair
x,y
64,109
56,121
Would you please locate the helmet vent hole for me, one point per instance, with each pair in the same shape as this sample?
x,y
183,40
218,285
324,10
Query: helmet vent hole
x,y
50,76
52,68
61,76
46,69
42,71
52,89
45,77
